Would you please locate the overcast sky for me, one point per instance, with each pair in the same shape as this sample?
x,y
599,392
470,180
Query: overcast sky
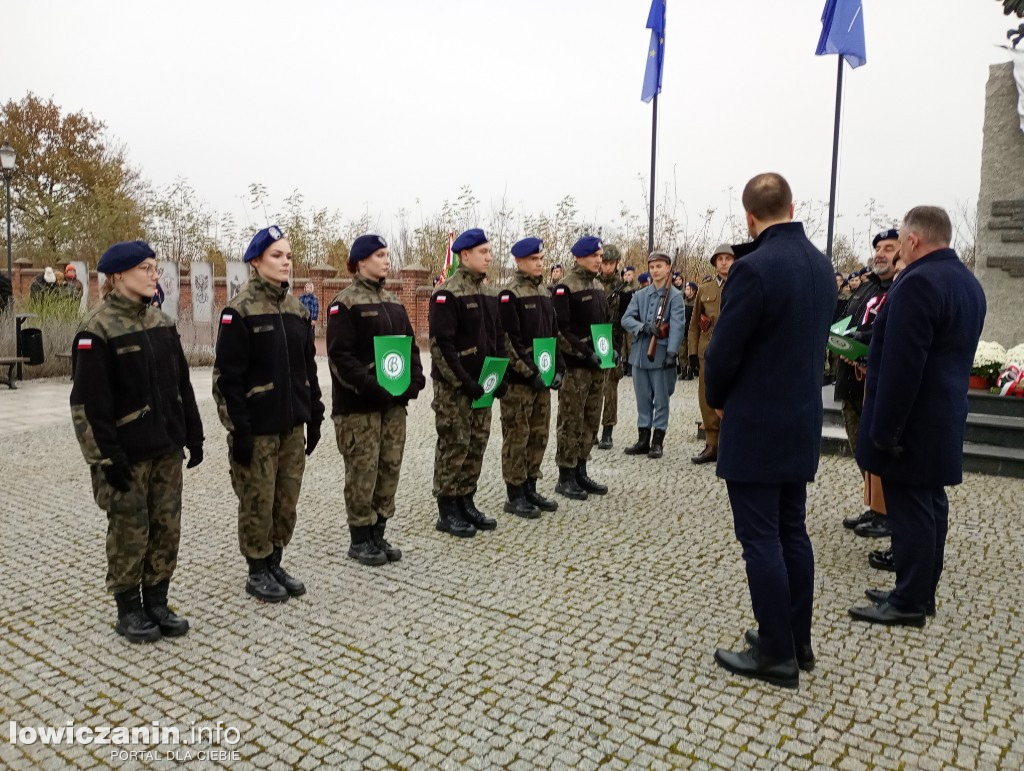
x,y
378,104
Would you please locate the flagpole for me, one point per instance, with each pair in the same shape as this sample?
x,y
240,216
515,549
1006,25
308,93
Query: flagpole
x,y
835,161
654,159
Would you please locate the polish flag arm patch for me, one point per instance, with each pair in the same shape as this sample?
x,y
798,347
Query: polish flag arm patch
x,y
441,299
226,318
85,343
560,291
334,310
506,298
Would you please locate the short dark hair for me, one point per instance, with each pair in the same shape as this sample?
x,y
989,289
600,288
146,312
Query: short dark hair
x,y
931,223
767,196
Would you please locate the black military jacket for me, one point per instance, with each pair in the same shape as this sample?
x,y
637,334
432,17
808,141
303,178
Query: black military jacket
x,y
132,399
526,313
464,328
863,306
360,312
579,302
264,375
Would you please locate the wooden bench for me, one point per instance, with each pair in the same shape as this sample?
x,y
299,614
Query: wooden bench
x,y
11,362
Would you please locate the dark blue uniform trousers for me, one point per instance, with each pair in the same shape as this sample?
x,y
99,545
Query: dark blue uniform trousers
x,y
770,524
919,516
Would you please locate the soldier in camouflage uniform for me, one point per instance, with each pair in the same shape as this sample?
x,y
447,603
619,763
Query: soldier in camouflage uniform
x,y
617,295
527,314
369,421
579,302
265,386
133,409
464,330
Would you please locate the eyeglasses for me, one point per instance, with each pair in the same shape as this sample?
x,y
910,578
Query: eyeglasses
x,y
148,268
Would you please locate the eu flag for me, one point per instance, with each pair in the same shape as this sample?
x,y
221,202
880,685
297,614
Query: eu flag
x,y
656,50
842,31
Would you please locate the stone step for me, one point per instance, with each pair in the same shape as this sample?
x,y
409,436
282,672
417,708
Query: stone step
x,y
982,429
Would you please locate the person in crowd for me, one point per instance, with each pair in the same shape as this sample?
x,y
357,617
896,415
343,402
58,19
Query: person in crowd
x,y
134,411
632,286
644,279
776,312
267,393
74,285
617,296
915,408
686,372
43,284
854,282
6,293
556,275
309,300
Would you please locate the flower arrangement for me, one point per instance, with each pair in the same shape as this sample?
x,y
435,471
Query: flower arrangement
x,y
1011,379
989,359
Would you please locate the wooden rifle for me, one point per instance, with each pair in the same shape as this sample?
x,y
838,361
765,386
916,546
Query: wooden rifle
x,y
660,324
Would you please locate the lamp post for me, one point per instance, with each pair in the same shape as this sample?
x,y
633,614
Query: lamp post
x,y
7,159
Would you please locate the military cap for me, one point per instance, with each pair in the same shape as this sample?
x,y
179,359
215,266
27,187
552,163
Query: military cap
x,y
124,256
691,283
527,247
363,247
722,249
659,256
470,239
611,254
629,267
261,241
892,234
586,246
556,265
643,277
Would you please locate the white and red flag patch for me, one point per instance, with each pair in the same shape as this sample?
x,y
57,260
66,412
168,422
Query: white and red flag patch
x,y
441,299
226,318
85,344
334,310
505,298
560,291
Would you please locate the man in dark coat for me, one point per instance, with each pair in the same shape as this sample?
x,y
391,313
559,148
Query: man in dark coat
x,y
777,307
915,408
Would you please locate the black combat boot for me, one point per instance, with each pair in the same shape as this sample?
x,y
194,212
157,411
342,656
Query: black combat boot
x,y
518,504
588,484
363,550
449,518
643,443
132,623
293,586
657,441
261,584
568,486
606,439
474,516
538,500
154,600
391,552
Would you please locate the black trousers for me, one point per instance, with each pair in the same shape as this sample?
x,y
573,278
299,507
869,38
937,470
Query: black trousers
x,y
769,520
919,516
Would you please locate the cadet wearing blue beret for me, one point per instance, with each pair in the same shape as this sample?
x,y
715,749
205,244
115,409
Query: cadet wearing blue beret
x,y
363,247
261,241
469,239
527,247
124,256
586,246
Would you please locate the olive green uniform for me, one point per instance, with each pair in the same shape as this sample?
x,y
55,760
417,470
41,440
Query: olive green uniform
x,y
706,309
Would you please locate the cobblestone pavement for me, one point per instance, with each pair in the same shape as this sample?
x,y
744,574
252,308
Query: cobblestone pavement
x,y
579,640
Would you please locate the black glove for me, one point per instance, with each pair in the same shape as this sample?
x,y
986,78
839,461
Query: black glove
x,y
377,396
894,451
617,358
195,456
312,437
502,389
650,329
694,365
595,360
119,475
241,449
671,360
537,383
556,382
473,390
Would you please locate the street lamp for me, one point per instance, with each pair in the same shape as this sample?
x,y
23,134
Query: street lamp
x,y
7,158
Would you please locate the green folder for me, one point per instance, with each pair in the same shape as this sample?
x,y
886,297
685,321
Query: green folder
x,y
601,334
842,345
393,355
490,378
544,358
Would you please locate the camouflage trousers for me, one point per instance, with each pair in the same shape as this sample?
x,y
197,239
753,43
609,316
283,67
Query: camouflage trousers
x,y
708,416
143,524
525,417
579,415
462,435
268,491
851,418
610,396
372,445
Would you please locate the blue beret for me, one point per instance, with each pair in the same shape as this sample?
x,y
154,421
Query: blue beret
x,y
643,277
690,283
629,267
363,247
527,247
586,246
124,256
886,235
261,241
470,239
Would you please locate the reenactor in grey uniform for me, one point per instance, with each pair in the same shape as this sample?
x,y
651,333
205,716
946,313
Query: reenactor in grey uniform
x,y
706,308
265,386
617,295
526,315
369,421
464,330
579,303
133,410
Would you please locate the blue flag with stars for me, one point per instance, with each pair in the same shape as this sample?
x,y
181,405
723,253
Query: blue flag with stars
x,y
655,51
842,31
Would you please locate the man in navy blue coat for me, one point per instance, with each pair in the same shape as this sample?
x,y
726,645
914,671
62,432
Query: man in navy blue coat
x,y
915,407
777,307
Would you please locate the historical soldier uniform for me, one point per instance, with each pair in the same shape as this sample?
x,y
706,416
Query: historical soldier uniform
x,y
266,389
654,380
579,302
617,296
527,314
369,421
133,409
705,313
464,330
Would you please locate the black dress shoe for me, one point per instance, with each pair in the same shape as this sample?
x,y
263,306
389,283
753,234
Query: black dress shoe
x,y
804,654
707,455
888,615
882,560
861,519
750,663
878,596
878,527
